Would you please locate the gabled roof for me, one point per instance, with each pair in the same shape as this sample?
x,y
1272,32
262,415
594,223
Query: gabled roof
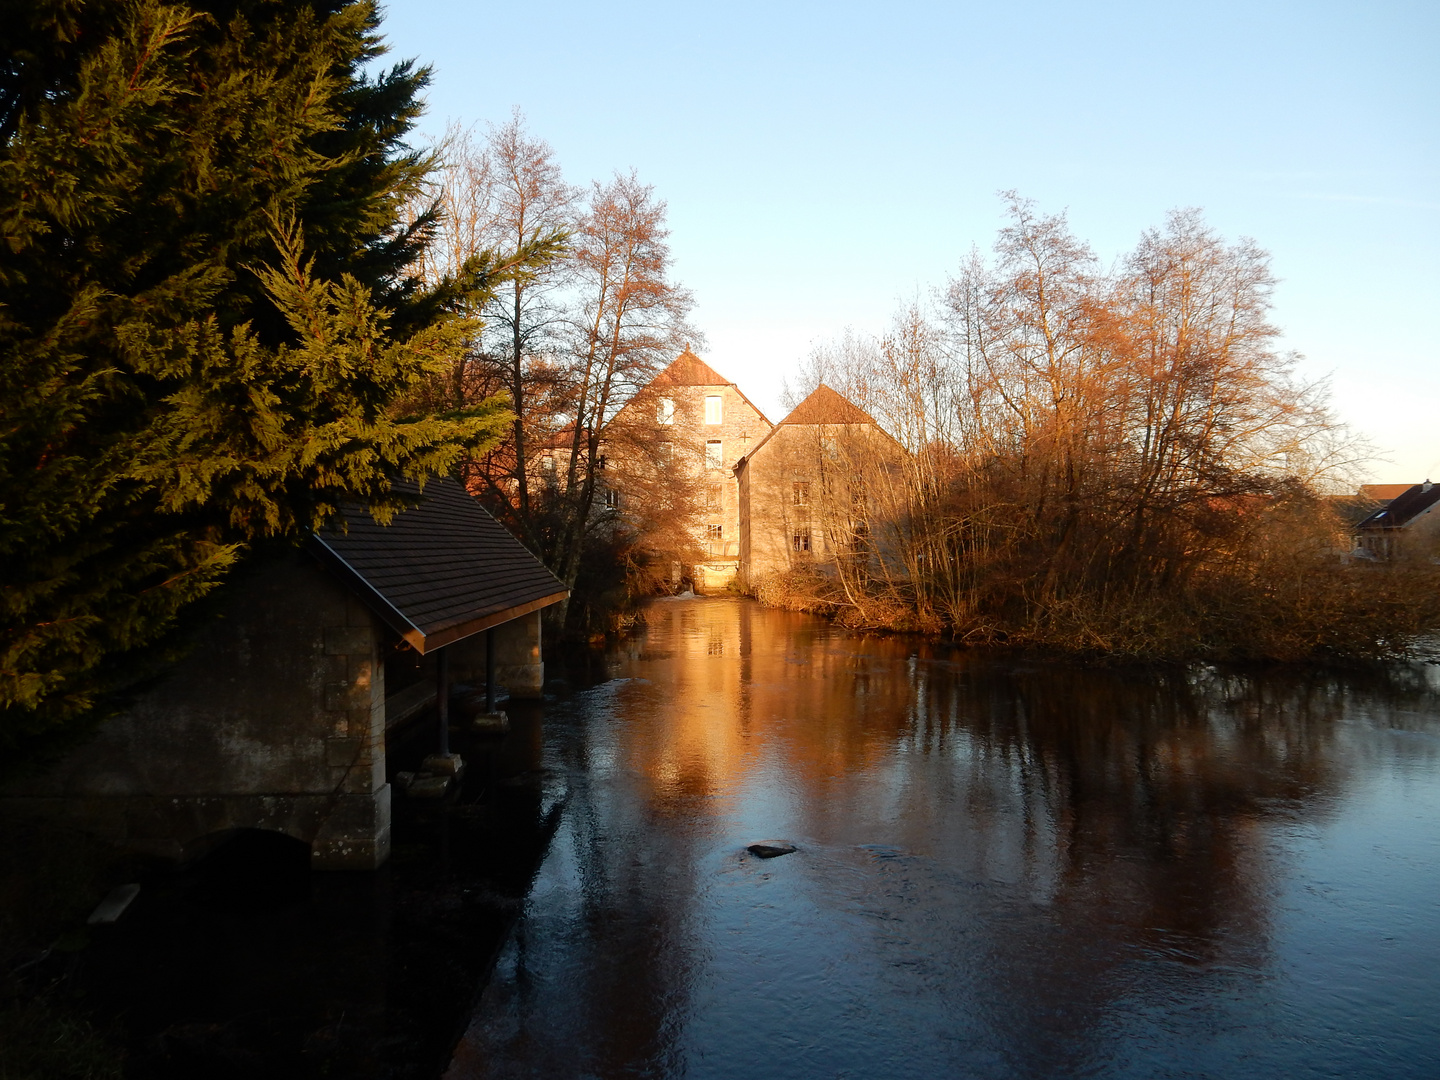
x,y
687,369
825,406
439,572
1402,509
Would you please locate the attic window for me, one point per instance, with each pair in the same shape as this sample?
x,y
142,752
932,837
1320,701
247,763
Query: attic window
x,y
665,411
712,409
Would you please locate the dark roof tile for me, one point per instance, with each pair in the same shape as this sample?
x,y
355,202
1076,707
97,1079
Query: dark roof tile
x,y
440,571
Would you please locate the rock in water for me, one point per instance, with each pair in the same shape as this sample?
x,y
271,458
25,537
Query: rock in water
x,y
769,849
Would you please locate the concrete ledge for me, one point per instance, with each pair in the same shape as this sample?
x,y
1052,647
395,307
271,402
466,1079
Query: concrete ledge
x,y
400,707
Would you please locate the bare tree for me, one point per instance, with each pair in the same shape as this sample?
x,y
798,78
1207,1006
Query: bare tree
x,y
1111,460
528,200
629,319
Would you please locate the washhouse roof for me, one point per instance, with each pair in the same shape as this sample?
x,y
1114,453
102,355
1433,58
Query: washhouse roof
x,y
440,571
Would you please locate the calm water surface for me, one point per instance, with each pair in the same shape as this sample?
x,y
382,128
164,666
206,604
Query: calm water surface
x,y
1004,870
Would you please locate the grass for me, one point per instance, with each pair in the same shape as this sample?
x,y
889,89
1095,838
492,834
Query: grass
x,y
51,877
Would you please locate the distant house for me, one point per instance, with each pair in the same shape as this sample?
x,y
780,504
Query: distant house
x,y
277,717
810,489
1383,494
1408,524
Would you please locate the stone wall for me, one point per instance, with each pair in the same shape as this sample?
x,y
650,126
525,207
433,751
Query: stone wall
x,y
805,493
275,720
741,427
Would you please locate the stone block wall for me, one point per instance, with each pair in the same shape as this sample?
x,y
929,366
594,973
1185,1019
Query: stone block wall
x,y
740,429
810,487
274,720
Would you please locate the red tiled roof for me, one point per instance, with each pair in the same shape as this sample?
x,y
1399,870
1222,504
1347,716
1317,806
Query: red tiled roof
x,y
1384,492
687,369
440,571
825,406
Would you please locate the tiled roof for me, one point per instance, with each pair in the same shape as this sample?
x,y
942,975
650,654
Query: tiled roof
x,y
687,369
825,406
440,571
1384,492
1404,507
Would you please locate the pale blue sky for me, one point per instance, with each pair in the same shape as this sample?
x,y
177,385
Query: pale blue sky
x,y
825,162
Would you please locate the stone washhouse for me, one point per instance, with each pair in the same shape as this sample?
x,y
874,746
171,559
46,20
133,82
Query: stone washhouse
x,y
276,717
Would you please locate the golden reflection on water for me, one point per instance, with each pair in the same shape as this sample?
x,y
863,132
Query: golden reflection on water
x,y
1005,868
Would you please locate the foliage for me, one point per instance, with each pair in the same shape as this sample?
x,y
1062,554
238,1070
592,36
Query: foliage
x,y
204,319
42,1039
572,341
50,878
1115,463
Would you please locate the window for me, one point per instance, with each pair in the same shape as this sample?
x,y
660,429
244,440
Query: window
x,y
712,410
547,462
665,411
715,538
612,499
801,540
802,492
714,454
712,497
664,454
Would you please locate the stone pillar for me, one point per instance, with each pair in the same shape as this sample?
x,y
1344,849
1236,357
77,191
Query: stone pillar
x,y
518,666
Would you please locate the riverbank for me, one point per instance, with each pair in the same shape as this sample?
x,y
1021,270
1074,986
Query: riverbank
x,y
1334,614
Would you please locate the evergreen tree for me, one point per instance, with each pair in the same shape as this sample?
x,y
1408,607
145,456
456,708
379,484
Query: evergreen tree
x,y
204,318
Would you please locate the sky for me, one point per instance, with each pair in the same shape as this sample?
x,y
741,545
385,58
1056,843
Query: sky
x,y
824,163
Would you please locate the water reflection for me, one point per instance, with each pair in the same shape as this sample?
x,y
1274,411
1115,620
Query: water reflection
x,y
1005,869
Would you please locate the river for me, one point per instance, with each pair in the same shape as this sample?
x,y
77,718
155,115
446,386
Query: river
x,y
1004,868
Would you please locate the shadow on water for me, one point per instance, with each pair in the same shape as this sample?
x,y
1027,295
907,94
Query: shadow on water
x,y
244,963
1005,868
